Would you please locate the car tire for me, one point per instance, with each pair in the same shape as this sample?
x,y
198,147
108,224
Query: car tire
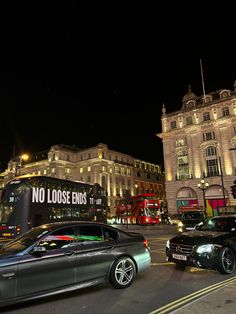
x,y
122,272
226,261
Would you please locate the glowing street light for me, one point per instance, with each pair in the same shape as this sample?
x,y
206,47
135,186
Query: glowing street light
x,y
21,158
24,157
203,185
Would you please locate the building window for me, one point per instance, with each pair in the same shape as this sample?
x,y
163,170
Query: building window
x,y
225,111
210,151
206,116
173,125
81,170
89,168
211,161
212,167
208,136
67,170
180,142
117,170
189,120
183,166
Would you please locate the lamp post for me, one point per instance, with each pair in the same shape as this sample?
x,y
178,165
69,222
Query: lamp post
x,y
222,181
203,185
21,158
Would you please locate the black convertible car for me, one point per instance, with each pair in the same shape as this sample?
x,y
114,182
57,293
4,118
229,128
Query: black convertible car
x,y
212,245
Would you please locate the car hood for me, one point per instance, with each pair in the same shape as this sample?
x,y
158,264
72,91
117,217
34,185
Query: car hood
x,y
198,237
191,221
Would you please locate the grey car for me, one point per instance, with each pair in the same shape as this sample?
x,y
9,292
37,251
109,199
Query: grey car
x,y
60,257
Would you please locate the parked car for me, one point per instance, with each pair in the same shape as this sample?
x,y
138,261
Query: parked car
x,y
211,246
60,257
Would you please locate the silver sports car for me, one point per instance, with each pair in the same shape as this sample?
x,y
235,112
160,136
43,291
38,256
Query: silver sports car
x,y
60,257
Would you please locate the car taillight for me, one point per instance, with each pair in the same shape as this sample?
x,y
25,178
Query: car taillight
x,y
18,229
145,243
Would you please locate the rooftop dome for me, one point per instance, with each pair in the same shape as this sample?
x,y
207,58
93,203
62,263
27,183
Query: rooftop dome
x,y
190,95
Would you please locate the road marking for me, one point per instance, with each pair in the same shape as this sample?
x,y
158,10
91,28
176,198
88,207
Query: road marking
x,y
160,264
193,296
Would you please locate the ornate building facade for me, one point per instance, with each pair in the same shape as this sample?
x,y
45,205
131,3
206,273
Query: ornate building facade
x,y
198,147
116,172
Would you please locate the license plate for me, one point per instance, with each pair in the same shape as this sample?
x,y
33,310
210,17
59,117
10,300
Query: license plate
x,y
179,257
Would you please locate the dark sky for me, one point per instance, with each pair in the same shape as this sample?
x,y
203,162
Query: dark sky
x,y
76,74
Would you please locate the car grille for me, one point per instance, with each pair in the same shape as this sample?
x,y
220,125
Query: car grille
x,y
181,248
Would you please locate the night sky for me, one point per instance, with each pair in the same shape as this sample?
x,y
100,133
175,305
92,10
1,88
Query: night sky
x,y
80,75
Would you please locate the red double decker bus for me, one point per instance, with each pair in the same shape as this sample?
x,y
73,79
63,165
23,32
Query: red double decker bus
x,y
143,209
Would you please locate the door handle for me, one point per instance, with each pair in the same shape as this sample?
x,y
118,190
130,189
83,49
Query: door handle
x,y
68,253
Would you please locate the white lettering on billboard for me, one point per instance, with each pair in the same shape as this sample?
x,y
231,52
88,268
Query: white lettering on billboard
x,y
39,195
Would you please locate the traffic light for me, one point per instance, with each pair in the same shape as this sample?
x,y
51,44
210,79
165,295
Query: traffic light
x,y
233,189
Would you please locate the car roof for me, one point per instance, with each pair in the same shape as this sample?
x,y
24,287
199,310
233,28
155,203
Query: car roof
x,y
57,224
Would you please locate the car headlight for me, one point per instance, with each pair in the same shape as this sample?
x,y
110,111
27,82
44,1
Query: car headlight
x,y
206,248
168,244
180,224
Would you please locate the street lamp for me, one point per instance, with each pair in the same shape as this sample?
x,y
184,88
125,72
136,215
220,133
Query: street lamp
x,y
21,158
203,185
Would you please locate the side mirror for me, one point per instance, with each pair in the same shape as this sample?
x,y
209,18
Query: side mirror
x,y
198,226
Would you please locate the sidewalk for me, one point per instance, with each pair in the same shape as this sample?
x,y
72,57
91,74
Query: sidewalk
x,y
220,301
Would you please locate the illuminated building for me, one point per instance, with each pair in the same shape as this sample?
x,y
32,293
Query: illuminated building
x,y
118,173
198,143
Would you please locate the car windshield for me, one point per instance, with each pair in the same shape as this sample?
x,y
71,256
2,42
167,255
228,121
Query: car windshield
x,y
219,224
24,241
193,215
